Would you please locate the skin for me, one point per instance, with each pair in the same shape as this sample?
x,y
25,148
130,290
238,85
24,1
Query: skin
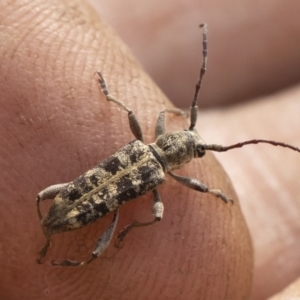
x,y
56,124
291,292
250,52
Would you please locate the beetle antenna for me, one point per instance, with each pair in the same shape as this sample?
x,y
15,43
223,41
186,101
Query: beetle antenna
x,y
219,148
194,107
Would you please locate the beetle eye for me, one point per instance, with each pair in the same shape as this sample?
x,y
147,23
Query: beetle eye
x,y
200,150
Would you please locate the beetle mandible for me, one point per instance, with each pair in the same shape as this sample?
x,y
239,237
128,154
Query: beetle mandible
x,y
132,171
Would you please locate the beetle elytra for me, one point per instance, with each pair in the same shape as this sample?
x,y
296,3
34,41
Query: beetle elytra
x,y
132,171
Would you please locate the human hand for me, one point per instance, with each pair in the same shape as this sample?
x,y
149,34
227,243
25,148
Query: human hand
x,y
52,105
56,124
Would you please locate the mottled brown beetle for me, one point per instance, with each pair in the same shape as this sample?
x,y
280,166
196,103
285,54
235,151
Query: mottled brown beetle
x,y
132,171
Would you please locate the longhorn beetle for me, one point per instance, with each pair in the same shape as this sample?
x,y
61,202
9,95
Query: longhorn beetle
x,y
132,171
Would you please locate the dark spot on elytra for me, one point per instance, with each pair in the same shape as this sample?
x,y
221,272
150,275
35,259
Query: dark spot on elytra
x,y
124,184
94,180
86,188
84,217
145,172
126,190
74,194
134,157
150,176
101,207
112,165
83,184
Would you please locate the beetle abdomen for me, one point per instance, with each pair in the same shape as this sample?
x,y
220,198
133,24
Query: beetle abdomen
x,y
127,174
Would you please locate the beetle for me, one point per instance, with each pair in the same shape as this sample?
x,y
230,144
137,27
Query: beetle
x,y
132,171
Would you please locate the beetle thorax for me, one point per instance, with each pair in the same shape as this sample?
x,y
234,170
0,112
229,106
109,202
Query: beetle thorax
x,y
177,149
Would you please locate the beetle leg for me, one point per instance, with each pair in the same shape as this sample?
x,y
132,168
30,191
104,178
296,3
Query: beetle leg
x,y
133,121
44,250
48,193
160,123
199,186
157,209
101,245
